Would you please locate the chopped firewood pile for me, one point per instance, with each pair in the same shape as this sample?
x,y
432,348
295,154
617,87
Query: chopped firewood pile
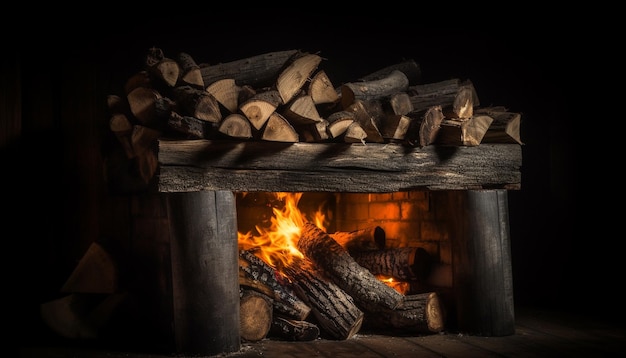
x,y
287,96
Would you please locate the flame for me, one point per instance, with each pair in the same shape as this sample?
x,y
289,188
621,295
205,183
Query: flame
x,y
277,244
400,286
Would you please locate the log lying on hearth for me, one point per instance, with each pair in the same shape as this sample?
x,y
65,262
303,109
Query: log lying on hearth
x,y
367,291
334,309
421,313
258,275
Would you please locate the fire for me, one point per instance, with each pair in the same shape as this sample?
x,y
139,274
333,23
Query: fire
x,y
402,287
277,244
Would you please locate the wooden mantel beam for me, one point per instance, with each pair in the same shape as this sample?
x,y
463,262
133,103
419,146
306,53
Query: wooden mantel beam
x,y
198,165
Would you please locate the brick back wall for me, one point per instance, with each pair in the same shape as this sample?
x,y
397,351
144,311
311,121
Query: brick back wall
x,y
410,219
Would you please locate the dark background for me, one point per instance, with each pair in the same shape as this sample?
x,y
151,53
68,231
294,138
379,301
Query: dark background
x,y
533,73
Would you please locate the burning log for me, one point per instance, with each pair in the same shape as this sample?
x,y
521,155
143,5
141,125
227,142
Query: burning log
x,y
333,308
422,312
368,291
368,239
403,263
256,274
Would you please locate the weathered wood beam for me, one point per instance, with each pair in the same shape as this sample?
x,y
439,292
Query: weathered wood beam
x,y
198,165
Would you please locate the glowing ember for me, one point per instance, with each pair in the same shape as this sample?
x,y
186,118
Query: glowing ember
x,y
277,244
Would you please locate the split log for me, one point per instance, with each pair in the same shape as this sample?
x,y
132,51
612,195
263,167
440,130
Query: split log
x,y
505,127
255,315
226,92
257,71
260,107
368,239
301,110
338,123
422,312
355,134
395,127
96,272
278,129
256,274
291,330
367,291
236,125
321,89
334,309
189,71
370,123
142,104
424,126
402,263
197,103
468,132
163,68
398,103
292,79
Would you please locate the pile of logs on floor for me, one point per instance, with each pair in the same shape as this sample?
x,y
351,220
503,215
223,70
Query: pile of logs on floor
x,y
287,96
334,290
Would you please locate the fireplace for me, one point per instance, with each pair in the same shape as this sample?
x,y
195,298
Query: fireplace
x,y
449,201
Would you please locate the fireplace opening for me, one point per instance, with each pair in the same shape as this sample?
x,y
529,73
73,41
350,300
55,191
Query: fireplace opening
x,y
396,241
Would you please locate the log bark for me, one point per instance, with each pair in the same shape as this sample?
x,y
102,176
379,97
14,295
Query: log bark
x,y
256,71
335,310
368,239
394,82
189,71
402,263
368,291
291,330
423,313
255,273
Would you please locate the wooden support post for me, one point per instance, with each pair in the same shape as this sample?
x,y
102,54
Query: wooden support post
x,y
205,272
481,263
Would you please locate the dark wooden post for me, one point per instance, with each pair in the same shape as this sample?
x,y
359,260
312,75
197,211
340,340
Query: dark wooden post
x,y
205,273
481,263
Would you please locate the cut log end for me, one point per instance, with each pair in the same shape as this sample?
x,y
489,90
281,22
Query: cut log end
x,y
435,314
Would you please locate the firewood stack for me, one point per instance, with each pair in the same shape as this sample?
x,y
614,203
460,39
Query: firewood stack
x,y
287,96
334,291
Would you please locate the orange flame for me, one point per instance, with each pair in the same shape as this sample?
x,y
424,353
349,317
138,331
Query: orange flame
x,y
400,286
277,244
